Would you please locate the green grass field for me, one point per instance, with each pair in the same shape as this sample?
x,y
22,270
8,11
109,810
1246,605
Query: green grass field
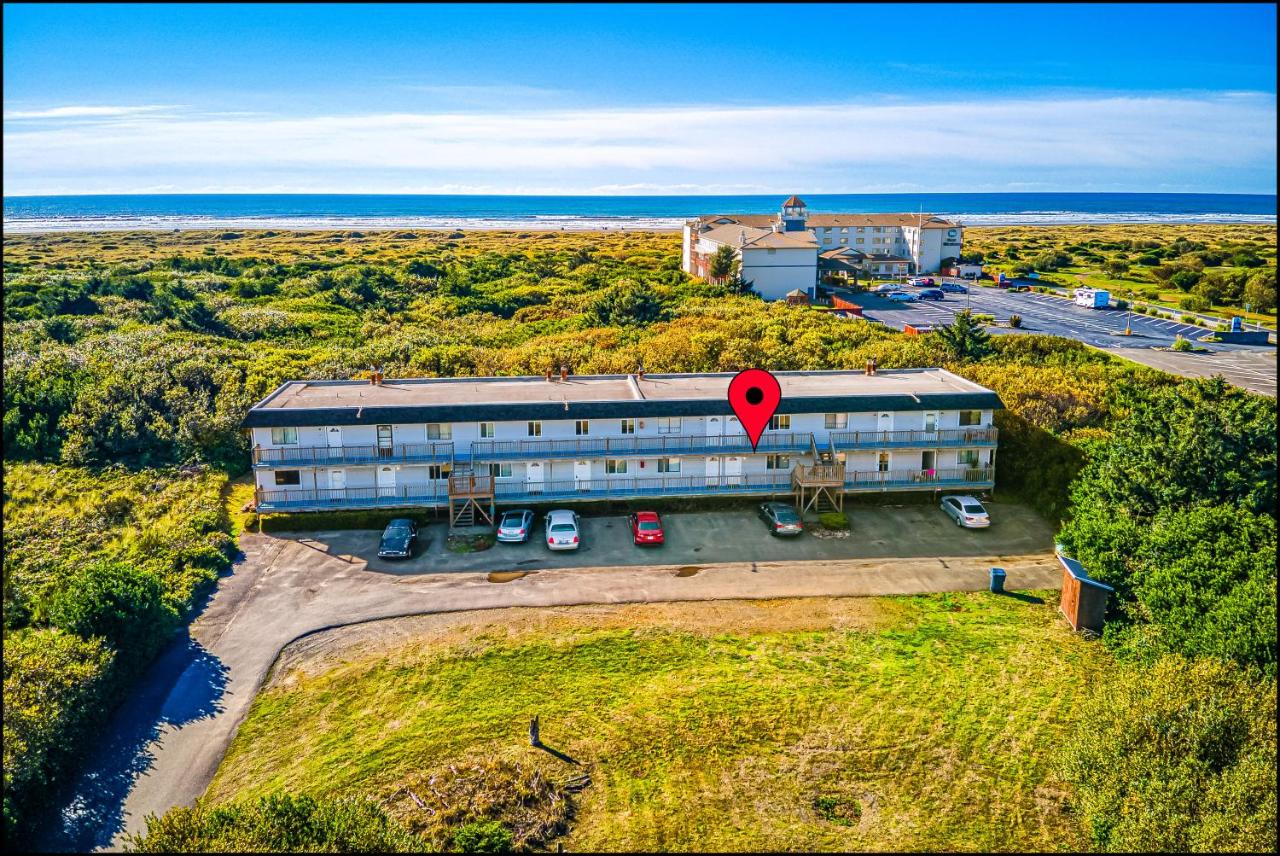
x,y
921,723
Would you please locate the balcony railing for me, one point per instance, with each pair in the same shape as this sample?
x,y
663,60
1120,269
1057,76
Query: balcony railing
x,y
663,445
968,437
920,479
778,482
310,456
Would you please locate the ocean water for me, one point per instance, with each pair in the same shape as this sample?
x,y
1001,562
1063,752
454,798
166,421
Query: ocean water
x,y
528,213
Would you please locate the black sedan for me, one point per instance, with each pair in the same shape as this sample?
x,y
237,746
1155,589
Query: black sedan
x,y
781,518
397,539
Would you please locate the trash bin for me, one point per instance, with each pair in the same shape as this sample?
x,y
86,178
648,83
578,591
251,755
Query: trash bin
x,y
997,580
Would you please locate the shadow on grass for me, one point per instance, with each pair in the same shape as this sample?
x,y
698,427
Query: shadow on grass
x,y
1025,598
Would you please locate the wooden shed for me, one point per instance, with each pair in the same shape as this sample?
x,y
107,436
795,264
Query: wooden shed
x,y
798,296
1084,601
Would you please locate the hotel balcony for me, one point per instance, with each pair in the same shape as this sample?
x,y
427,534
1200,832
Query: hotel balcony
x,y
319,456
966,437
661,446
436,494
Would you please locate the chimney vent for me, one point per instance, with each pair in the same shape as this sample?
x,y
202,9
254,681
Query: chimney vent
x,y
564,374
640,373
547,374
871,367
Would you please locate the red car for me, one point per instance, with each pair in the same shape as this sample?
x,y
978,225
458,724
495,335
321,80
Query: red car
x,y
646,528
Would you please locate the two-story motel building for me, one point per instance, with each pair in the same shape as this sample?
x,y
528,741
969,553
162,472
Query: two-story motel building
x,y
473,442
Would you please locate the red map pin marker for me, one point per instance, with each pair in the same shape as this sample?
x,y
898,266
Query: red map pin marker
x,y
754,395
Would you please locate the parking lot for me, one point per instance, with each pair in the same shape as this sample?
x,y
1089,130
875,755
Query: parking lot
x,y
1250,366
907,531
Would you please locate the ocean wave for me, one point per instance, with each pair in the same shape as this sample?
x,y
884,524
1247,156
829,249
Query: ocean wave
x,y
546,222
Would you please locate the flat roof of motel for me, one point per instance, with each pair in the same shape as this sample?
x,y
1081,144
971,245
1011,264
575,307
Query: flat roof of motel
x,y
420,392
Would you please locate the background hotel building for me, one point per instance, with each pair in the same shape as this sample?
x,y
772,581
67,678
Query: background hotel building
x,y
458,442
779,253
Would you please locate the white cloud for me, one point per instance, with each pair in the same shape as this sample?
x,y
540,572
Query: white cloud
x,y
1102,141
86,112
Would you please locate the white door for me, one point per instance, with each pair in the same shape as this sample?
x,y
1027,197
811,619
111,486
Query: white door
x,y
884,422
335,437
713,471
534,476
581,475
930,422
733,470
337,479
386,480
715,428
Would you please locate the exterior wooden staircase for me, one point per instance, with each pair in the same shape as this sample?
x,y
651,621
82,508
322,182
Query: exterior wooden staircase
x,y
470,497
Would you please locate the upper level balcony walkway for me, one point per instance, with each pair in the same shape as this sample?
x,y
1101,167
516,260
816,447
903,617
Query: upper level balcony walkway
x,y
663,445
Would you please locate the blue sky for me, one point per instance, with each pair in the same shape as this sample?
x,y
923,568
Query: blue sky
x,y
600,99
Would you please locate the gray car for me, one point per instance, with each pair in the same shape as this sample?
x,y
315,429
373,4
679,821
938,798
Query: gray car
x,y
781,518
515,527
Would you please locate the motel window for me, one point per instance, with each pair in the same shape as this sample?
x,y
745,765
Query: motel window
x,y
882,462
439,431
826,240
836,421
500,471
777,462
968,458
781,422
438,471
486,431
860,240
970,417
535,429
615,466
772,252
582,427
668,424
844,240
860,229
288,477
284,436
668,465
627,426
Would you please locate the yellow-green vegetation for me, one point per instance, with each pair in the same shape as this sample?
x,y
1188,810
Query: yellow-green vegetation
x,y
1201,267
825,724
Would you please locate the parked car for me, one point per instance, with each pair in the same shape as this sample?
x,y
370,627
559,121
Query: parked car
x,y
398,539
903,297
887,288
966,511
921,281
954,288
515,527
931,294
646,528
561,527
781,518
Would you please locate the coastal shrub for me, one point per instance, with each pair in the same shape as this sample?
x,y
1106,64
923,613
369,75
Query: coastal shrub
x,y
279,822
483,836
1185,280
1180,344
1180,756
1015,320
835,521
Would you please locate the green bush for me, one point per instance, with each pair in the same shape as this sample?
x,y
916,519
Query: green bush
x,y
1177,757
483,836
1180,344
119,603
277,823
1015,320
835,521
1193,303
326,520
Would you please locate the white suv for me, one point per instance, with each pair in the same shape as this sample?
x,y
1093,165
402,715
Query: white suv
x,y
562,530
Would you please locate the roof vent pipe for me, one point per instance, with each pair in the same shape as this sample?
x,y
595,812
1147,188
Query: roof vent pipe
x,y
547,375
871,367
564,374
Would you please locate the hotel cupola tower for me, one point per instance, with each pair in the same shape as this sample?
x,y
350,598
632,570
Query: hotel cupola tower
x,y
793,215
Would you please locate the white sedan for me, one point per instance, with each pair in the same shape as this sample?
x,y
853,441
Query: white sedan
x,y
562,530
966,511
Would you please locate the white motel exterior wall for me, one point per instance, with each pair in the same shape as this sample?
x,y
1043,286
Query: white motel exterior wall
x,y
516,472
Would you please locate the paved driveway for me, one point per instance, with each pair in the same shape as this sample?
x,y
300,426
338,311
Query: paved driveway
x,y
165,743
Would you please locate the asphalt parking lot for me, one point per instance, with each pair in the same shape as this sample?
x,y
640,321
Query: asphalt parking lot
x,y
1250,366
906,531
